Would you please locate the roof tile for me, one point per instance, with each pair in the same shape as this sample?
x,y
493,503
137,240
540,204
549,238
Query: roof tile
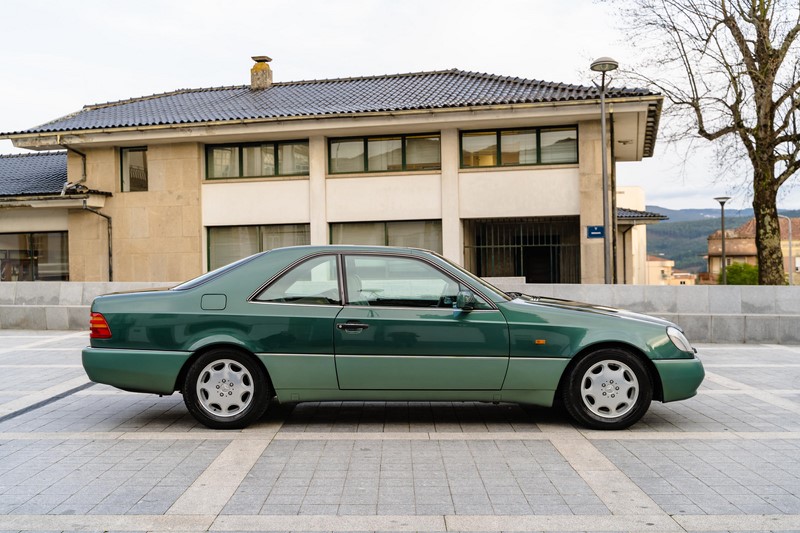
x,y
397,92
33,174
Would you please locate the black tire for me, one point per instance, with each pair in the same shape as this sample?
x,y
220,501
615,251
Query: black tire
x,y
226,389
608,389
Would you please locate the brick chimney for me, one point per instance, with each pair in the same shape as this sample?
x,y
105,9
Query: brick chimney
x,y
261,74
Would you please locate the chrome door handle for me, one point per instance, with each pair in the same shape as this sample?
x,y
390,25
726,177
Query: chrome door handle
x,y
352,326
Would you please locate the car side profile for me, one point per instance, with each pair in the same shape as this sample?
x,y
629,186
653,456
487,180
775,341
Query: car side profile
x,y
316,323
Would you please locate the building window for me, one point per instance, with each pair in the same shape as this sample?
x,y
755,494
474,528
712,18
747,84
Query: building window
x,y
541,249
524,146
416,233
384,154
34,256
134,169
257,160
227,244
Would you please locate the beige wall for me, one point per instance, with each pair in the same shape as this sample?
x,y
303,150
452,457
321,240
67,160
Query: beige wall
x,y
28,219
591,199
385,197
157,233
504,193
248,202
632,244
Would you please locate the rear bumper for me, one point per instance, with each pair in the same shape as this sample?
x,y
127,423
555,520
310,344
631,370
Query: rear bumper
x,y
135,370
680,378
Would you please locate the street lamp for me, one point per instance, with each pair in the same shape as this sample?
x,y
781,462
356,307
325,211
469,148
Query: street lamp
x,y
791,259
603,65
722,200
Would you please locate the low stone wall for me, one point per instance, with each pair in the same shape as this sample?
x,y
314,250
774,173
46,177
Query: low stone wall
x,y
707,313
40,305
735,314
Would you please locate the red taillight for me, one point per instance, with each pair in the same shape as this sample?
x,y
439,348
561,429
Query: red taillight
x,y
99,327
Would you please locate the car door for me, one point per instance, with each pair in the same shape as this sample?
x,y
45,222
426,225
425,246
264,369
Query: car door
x,y
292,326
400,330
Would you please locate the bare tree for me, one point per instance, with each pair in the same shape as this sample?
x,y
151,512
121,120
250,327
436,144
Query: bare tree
x,y
731,70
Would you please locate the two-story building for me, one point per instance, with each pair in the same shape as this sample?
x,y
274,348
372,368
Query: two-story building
x,y
500,174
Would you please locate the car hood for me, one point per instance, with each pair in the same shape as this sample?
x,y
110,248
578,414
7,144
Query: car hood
x,y
589,308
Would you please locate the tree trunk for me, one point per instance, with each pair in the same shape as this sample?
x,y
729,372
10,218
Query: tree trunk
x,y
768,229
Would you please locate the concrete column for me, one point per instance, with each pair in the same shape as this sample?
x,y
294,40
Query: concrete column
x,y
317,197
591,200
452,232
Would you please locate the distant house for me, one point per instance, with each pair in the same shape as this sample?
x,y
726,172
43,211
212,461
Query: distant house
x,y
661,271
500,174
740,247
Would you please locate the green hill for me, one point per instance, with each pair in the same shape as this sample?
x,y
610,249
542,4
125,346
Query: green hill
x,y
686,242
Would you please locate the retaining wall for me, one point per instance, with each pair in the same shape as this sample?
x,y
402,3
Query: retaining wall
x,y
736,314
707,313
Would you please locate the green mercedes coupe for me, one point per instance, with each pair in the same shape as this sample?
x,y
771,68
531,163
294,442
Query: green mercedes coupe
x,y
315,323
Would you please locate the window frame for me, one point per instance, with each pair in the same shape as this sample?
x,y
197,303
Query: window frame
x,y
240,154
499,148
122,158
340,266
365,143
337,262
259,230
486,303
385,232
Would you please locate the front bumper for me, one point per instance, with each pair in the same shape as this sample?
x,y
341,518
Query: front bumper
x,y
680,378
135,370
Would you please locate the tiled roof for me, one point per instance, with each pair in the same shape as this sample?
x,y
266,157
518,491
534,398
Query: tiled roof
x,y
33,174
633,214
415,91
748,230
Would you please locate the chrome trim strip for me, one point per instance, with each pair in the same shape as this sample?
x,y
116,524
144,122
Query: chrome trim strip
x,y
375,356
295,354
293,303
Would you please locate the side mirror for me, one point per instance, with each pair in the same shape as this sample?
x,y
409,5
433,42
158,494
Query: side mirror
x,y
465,301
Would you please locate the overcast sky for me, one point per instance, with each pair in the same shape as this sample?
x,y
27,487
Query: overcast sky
x,y
59,56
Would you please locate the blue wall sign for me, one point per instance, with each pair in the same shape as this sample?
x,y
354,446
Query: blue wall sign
x,y
595,232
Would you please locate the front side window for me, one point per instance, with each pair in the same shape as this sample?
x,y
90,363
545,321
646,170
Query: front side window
x,y
384,154
314,282
134,169
381,281
257,160
526,146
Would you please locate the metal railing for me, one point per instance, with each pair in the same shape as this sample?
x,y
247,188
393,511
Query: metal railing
x,y
541,249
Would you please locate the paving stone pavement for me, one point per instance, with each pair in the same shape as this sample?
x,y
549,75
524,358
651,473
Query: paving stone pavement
x,y
81,457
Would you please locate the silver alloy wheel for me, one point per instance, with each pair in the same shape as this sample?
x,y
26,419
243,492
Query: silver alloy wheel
x,y
225,388
609,389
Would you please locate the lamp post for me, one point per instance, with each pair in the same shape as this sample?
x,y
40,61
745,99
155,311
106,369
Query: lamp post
x,y
722,200
603,65
791,259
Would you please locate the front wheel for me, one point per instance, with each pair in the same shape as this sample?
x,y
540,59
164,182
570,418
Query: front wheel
x,y
226,389
608,389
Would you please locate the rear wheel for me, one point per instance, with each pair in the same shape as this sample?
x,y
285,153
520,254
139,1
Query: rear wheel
x,y
608,389
226,389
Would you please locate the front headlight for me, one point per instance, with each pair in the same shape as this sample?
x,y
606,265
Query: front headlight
x,y
679,339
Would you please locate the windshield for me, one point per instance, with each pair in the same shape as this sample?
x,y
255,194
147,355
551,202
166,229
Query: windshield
x,y
192,283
